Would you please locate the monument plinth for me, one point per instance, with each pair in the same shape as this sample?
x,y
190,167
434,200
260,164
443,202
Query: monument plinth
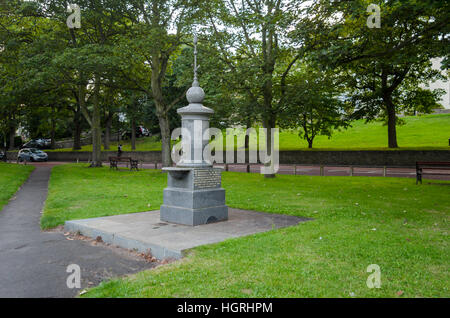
x,y
194,195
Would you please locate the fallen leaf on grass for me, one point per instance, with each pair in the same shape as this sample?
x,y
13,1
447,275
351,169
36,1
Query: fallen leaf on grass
x,y
246,291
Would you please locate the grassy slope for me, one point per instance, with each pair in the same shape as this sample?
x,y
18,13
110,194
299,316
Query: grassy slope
x,y
392,222
424,132
11,178
430,131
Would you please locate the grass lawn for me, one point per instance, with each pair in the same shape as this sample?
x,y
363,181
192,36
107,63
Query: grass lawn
x,y
358,221
420,132
77,192
11,178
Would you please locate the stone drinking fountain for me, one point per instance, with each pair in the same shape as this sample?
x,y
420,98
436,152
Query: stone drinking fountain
x,y
194,193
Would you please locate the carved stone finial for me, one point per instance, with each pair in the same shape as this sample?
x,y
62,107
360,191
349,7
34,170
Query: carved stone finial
x,y
195,39
195,94
195,83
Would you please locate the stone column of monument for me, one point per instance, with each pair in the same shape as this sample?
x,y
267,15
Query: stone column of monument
x,y
194,194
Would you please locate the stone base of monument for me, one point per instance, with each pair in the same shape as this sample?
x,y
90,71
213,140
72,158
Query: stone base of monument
x,y
194,196
144,232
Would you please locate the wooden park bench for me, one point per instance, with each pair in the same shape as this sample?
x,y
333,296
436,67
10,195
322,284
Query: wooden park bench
x,y
431,168
114,161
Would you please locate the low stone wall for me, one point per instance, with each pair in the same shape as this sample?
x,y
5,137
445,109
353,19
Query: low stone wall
x,y
402,158
441,111
84,141
68,143
73,156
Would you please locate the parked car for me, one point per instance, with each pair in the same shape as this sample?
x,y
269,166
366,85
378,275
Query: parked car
x,y
31,154
39,143
46,142
2,156
141,131
144,131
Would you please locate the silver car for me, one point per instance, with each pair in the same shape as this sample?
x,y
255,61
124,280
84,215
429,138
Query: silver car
x,y
32,154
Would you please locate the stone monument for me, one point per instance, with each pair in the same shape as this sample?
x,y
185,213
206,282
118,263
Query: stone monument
x,y
194,195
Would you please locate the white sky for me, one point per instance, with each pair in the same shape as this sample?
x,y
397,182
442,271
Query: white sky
x,y
445,101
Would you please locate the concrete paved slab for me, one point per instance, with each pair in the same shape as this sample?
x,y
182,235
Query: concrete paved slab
x,y
144,231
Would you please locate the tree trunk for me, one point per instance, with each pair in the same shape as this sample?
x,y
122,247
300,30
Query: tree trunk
x,y
247,137
53,128
165,140
159,67
12,134
77,129
310,143
268,69
133,134
269,124
270,120
392,122
247,141
107,137
96,130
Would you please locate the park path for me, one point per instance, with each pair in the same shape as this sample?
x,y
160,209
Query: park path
x,y
33,263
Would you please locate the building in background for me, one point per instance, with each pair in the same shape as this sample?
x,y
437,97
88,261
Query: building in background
x,y
445,85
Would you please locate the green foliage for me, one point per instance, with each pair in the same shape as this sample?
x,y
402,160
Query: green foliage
x,y
383,66
313,103
252,57
422,100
